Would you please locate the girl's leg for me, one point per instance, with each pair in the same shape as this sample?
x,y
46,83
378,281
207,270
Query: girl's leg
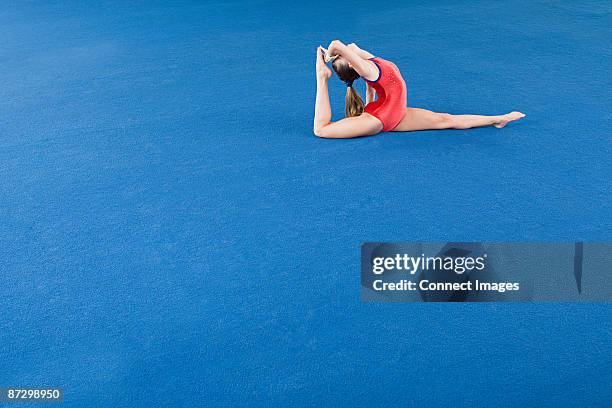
x,y
356,126
363,125
422,119
323,112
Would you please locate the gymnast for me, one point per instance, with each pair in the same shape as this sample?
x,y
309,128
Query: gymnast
x,y
386,99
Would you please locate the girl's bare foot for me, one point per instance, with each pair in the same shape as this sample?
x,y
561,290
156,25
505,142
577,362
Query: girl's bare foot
x,y
323,71
507,118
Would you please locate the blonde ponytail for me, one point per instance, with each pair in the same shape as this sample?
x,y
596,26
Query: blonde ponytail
x,y
354,103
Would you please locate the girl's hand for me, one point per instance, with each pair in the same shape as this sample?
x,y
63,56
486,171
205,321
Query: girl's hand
x,y
323,72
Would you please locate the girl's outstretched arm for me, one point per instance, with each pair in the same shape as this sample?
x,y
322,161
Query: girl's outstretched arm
x,y
362,53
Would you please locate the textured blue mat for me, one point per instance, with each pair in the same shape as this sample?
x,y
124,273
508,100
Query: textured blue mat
x,y
173,233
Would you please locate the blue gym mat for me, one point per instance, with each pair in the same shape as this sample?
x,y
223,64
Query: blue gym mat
x,y
174,235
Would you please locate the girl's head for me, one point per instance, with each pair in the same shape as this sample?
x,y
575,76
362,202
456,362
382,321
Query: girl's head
x,y
354,103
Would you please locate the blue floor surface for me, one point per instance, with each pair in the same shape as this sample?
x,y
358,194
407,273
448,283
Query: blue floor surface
x,y
174,235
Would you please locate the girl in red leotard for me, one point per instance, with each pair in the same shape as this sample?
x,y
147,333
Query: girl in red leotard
x,y
388,112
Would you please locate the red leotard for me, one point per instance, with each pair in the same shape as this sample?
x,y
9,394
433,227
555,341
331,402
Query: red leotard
x,y
390,105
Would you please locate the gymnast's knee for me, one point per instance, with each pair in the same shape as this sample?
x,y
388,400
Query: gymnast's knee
x,y
444,121
321,131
